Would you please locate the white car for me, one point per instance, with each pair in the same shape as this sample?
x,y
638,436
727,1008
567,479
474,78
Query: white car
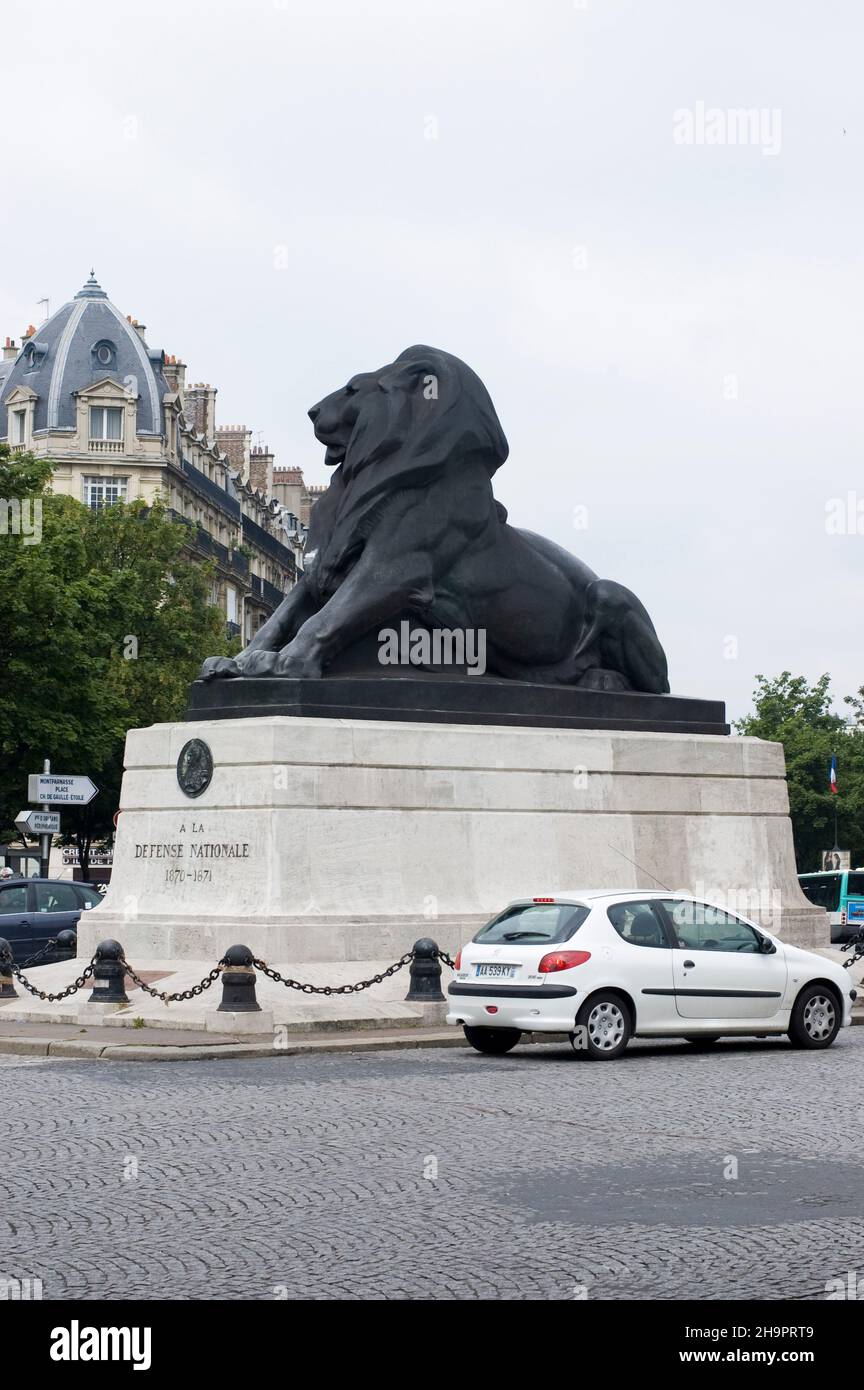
x,y
607,966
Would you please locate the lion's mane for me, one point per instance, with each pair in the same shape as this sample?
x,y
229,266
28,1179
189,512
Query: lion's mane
x,y
426,411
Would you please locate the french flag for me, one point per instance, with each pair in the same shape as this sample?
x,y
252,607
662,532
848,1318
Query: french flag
x,y
833,775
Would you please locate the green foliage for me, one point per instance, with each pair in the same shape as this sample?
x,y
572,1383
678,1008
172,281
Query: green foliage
x,y
103,625
22,475
798,715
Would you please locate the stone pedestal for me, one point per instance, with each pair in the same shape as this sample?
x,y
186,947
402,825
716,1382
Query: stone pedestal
x,y
346,840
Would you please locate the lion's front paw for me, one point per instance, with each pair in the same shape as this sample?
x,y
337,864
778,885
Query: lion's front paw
x,y
259,664
597,678
218,666
301,665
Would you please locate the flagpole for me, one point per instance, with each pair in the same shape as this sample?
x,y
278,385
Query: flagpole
x,y
834,765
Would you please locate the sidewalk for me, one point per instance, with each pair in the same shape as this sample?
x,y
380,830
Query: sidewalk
x,y
186,1045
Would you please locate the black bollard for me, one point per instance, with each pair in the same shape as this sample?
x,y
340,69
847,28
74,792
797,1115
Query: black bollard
x,y
109,974
7,979
67,944
425,973
238,982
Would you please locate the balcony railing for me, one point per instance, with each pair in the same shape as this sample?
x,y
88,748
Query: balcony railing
x,y
268,593
272,593
106,446
207,488
204,544
257,536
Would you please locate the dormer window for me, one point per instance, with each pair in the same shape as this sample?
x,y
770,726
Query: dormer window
x,y
106,422
104,354
106,429
34,356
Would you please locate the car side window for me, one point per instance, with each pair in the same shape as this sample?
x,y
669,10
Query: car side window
x,y
638,923
13,899
701,927
56,897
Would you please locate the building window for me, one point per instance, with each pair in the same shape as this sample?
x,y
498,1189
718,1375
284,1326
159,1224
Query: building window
x,y
104,492
104,353
106,422
19,426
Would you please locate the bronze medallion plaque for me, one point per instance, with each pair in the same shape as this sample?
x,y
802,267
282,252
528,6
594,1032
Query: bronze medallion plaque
x,y
194,767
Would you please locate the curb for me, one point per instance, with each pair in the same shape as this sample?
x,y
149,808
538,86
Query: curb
x,y
113,1051
200,1052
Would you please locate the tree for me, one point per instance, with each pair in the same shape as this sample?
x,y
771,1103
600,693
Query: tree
x,y
798,715
103,625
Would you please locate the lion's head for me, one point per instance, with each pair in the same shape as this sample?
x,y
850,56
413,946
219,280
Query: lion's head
x,y
427,404
390,429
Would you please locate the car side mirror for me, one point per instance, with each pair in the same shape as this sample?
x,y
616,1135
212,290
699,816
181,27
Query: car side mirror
x,y
766,946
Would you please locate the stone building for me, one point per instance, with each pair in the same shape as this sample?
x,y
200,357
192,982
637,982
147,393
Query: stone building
x,y
291,489
118,422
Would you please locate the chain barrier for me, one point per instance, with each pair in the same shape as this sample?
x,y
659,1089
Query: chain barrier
x,y
344,989
332,989
210,979
857,945
49,945
86,974
192,993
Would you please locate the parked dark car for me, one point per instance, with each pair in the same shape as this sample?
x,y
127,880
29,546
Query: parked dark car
x,y
33,910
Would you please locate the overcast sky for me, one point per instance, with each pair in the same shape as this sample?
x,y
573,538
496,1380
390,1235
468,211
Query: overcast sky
x,y
287,193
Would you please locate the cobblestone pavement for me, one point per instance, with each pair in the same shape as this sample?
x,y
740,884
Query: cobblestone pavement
x,y
438,1175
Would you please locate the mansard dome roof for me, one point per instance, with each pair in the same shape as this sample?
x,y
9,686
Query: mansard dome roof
x,y
85,342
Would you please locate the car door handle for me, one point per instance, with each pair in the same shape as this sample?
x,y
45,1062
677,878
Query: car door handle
x,y
689,965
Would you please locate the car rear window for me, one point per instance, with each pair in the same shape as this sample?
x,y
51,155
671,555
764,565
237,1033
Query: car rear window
x,y
539,922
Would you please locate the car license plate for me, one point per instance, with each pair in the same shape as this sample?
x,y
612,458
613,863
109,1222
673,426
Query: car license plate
x,y
496,972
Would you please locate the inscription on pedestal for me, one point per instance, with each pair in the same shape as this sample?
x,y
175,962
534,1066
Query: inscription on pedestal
x,y
191,860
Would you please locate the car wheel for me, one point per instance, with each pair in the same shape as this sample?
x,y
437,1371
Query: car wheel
x,y
494,1041
602,1027
704,1040
816,1018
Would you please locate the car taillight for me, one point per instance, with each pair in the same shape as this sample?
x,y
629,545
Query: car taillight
x,y
457,964
562,960
542,900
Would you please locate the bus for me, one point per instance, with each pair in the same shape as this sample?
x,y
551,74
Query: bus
x,y
841,893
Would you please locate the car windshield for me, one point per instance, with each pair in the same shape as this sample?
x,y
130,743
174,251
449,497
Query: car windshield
x,y
541,922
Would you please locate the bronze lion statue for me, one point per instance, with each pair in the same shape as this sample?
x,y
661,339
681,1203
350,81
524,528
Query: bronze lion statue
x,y
409,525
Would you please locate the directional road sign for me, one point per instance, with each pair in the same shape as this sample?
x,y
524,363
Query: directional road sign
x,y
38,822
60,791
